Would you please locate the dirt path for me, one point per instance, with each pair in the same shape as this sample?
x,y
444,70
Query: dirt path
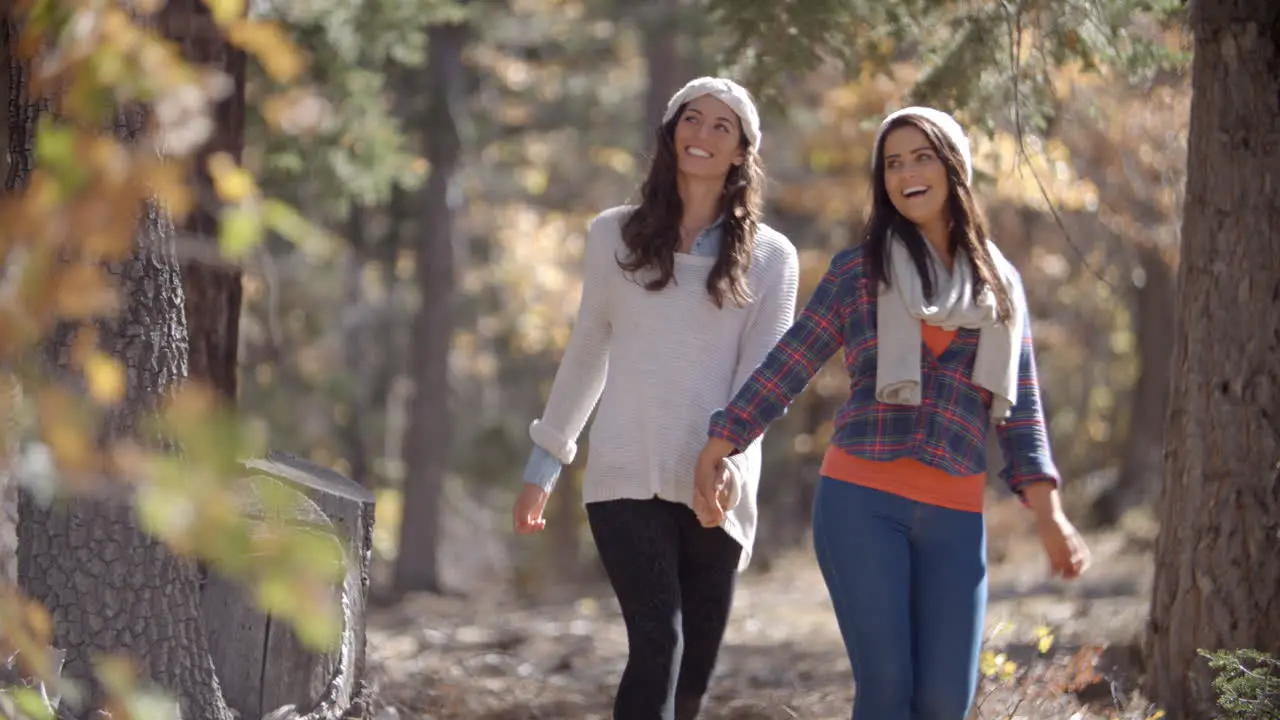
x,y
450,659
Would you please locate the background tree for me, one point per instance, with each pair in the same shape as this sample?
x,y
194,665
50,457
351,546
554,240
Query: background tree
x,y
429,433
1218,552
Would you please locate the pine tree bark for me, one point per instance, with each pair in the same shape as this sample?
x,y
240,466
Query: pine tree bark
x,y
1217,582
109,587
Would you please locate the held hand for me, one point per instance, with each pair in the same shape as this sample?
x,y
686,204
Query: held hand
x,y
526,516
1067,552
711,490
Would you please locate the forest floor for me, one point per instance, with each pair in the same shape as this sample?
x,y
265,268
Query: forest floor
x,y
1053,650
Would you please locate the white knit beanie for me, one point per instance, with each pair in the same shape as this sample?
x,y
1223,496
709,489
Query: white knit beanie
x,y
947,124
726,91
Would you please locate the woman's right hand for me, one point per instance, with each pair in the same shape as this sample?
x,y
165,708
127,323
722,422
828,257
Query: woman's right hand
x,y
1067,551
708,487
710,482
526,516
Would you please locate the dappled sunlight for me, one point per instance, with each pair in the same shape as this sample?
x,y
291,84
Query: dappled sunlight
x,y
285,285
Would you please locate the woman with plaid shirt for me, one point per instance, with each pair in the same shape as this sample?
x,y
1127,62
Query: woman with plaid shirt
x,y
937,344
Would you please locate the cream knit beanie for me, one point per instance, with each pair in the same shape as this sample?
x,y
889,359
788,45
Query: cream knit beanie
x,y
951,130
726,91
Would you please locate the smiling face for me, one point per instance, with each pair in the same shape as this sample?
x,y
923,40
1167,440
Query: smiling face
x,y
708,138
915,177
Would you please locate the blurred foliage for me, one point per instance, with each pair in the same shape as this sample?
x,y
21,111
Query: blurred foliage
x,y
994,61
77,215
358,148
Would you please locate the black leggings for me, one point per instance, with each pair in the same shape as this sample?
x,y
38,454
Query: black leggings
x,y
674,581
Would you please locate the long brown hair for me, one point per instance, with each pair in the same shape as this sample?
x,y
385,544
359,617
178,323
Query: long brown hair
x,y
652,232
968,227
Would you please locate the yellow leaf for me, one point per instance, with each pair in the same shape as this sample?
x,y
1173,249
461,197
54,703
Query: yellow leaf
x,y
148,7
84,292
988,665
84,344
104,376
226,11
233,184
70,446
116,672
1044,644
169,183
38,620
279,57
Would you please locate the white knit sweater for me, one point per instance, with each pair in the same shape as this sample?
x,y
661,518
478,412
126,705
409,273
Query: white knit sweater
x,y
659,363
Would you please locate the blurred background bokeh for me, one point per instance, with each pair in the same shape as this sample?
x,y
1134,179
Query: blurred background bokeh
x,y
537,116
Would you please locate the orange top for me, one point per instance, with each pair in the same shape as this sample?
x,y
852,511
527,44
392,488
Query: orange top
x,y
906,477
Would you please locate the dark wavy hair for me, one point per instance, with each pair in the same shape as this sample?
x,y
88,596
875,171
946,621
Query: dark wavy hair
x,y
968,227
652,231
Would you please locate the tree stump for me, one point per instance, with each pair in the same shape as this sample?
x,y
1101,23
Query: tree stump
x,y
262,667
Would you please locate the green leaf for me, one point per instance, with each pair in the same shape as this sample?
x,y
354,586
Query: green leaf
x,y
320,551
56,152
30,703
239,230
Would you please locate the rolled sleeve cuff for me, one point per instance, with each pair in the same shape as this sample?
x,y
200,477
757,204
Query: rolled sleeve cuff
x,y
1017,483
542,470
553,442
724,428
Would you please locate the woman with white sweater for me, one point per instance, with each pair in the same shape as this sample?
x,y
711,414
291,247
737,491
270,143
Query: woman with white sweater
x,y
683,295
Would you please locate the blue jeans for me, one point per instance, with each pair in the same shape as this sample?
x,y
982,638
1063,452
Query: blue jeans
x,y
909,585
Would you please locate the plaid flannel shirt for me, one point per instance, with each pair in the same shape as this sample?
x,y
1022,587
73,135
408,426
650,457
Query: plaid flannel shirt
x,y
948,430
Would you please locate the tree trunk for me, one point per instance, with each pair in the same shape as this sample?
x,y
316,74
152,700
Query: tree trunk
x,y
212,288
354,325
108,586
1218,553
429,437
9,446
659,25
1142,464
6,53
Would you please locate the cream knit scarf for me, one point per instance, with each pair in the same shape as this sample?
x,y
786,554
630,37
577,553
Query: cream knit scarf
x,y
902,306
